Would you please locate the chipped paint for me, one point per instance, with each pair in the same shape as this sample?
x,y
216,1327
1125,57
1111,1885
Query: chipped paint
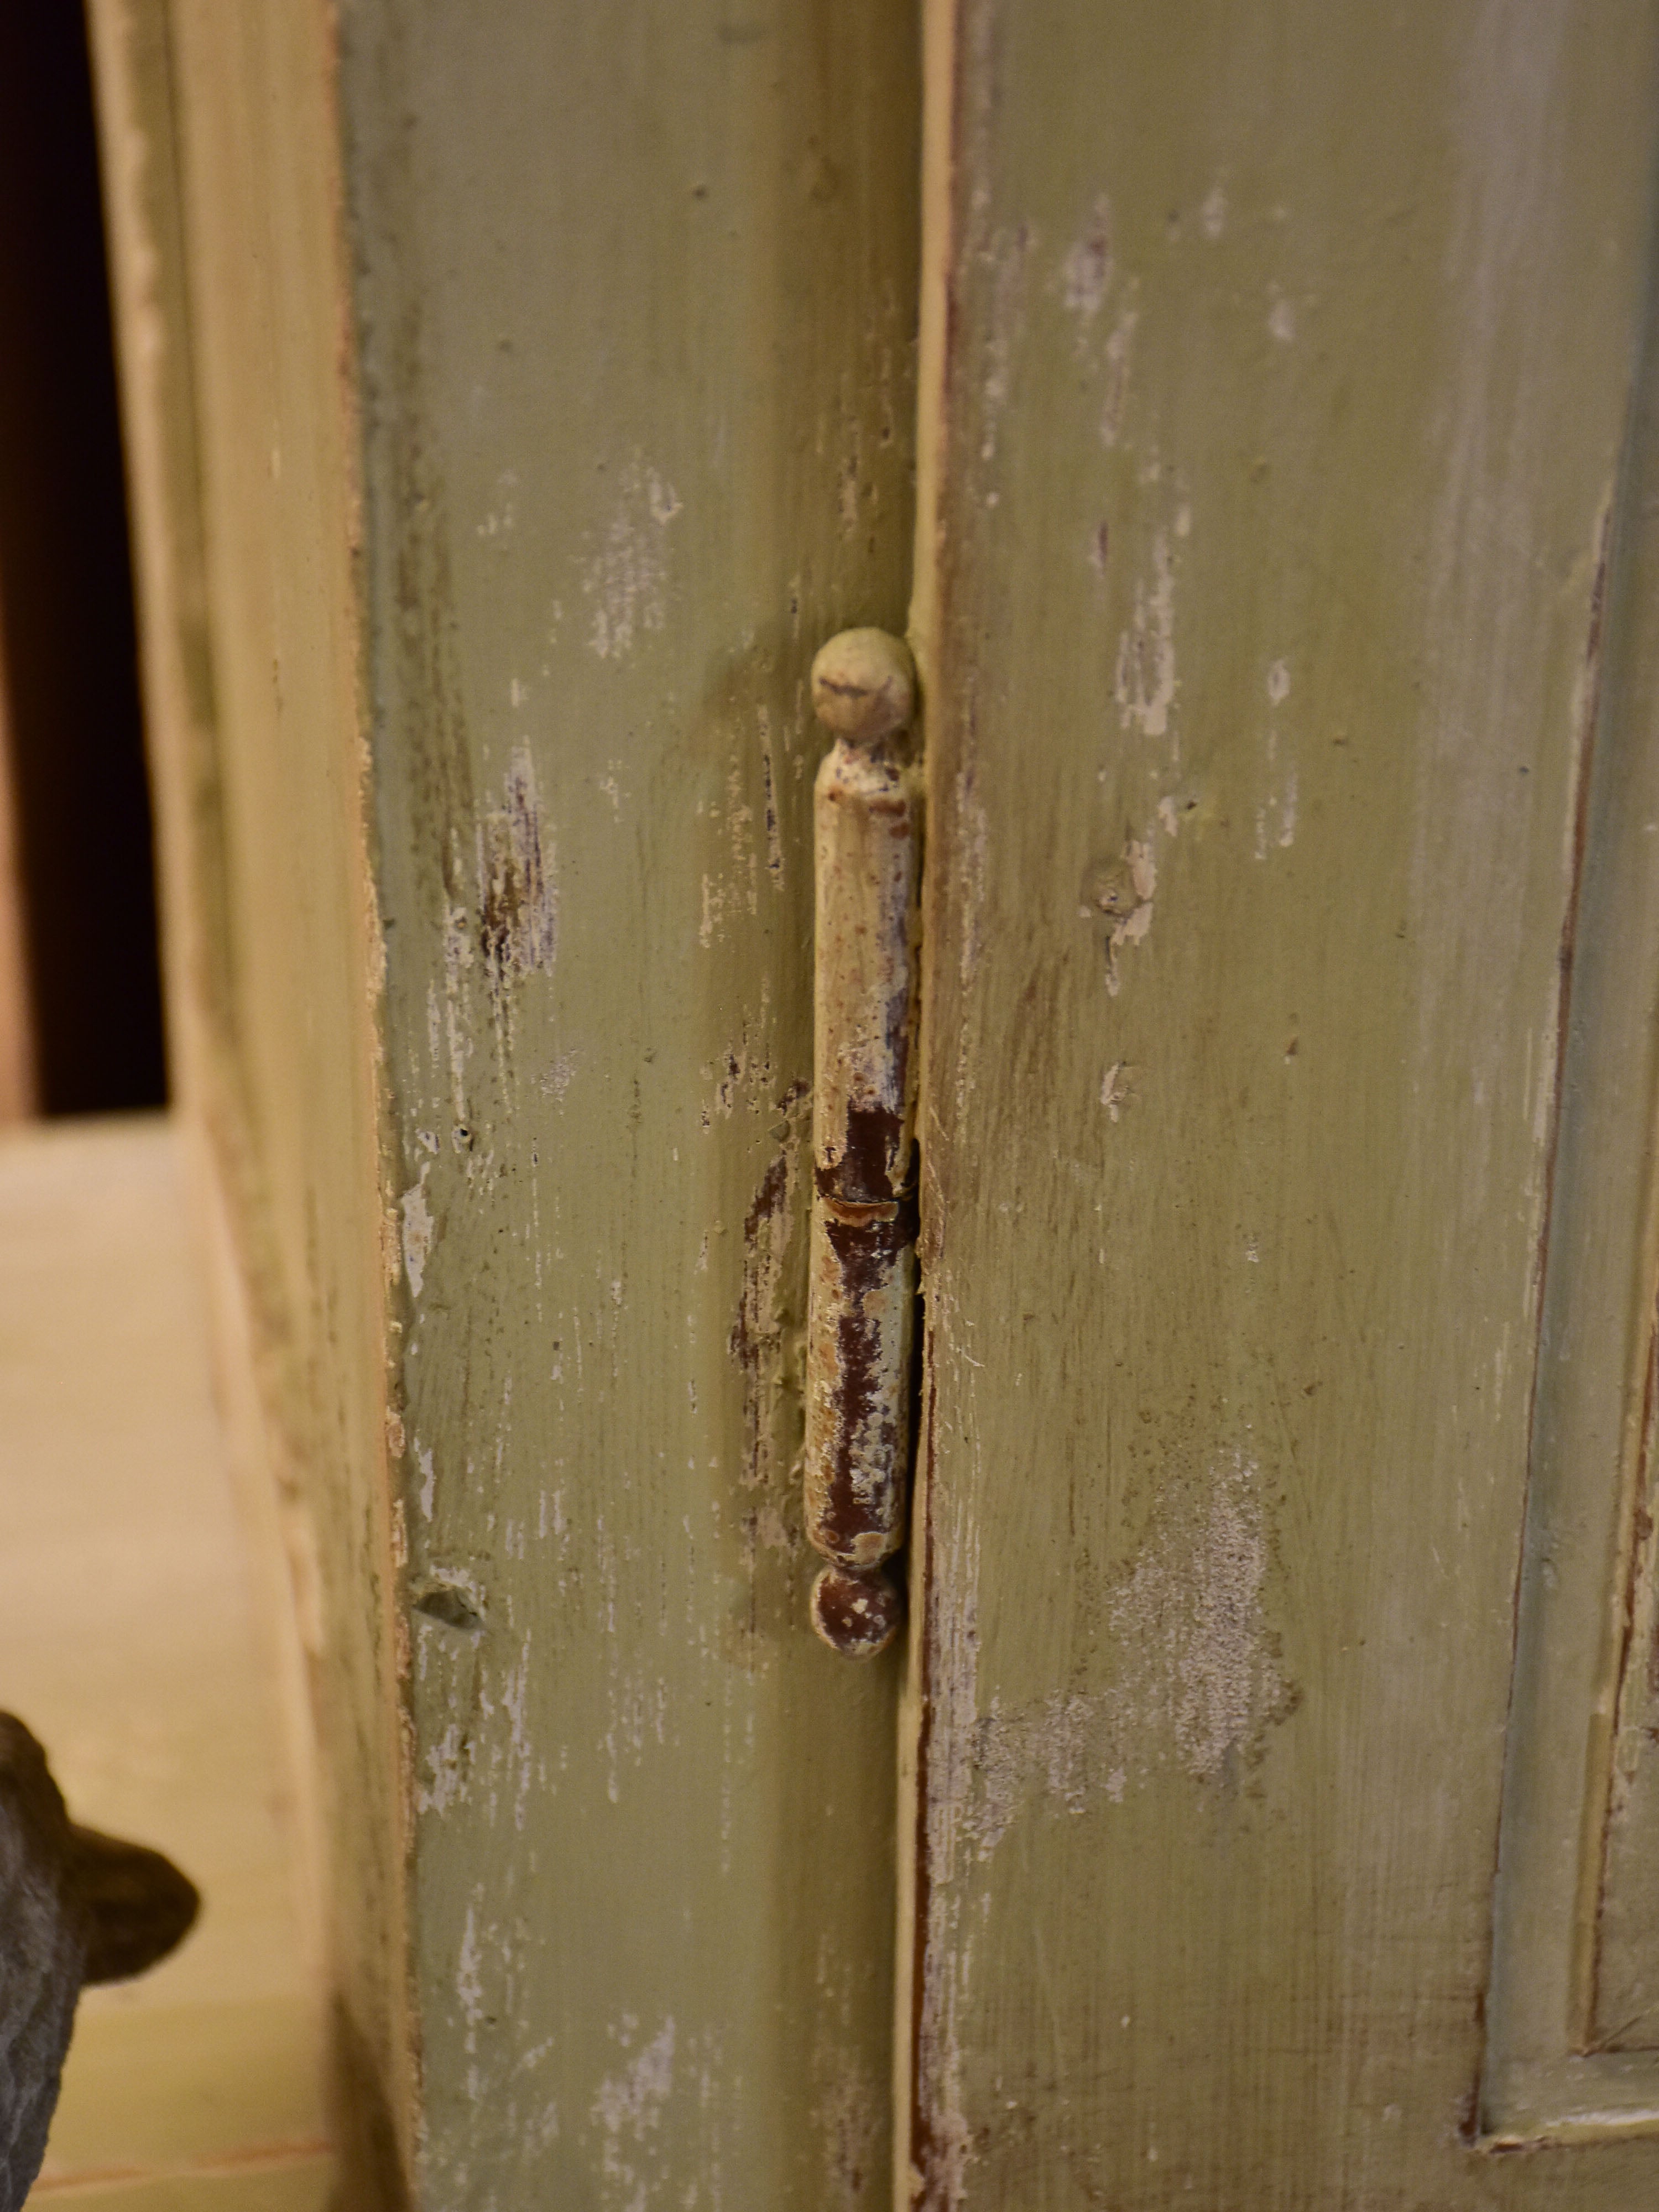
x,y
1144,681
1086,272
629,2110
1122,892
517,892
1115,394
1192,1681
627,579
1198,1680
418,1230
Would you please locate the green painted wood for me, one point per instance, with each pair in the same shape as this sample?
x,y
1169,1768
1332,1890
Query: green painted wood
x,y
1280,405
1575,1928
548,376
634,305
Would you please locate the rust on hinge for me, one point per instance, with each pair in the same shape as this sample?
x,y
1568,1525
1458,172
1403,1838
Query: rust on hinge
x,y
866,820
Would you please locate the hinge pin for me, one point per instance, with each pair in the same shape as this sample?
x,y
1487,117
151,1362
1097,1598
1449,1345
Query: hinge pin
x,y
867,829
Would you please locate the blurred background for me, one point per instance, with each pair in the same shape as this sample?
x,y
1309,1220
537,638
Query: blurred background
x,y
131,1642
80,991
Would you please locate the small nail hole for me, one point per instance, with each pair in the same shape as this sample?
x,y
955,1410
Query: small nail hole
x,y
451,1606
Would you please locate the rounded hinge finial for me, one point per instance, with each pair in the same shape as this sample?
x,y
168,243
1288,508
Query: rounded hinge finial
x,y
864,685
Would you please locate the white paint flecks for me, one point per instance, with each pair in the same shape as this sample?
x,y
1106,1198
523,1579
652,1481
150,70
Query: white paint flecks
x,y
469,1979
1197,1679
1213,215
973,842
1275,818
1086,272
629,2109
1194,1685
1278,682
1117,376
1281,320
851,2120
1145,675
447,1762
627,580
1049,1746
418,1232
1124,892
517,887
1010,252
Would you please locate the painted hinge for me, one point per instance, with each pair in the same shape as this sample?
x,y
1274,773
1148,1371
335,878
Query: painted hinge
x,y
861,1297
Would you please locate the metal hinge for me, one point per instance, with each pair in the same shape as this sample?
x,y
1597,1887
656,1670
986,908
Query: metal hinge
x,y
861,1299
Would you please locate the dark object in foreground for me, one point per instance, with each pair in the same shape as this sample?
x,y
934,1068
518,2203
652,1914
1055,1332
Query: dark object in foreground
x,y
74,1907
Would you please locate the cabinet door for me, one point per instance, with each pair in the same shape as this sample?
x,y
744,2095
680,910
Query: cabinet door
x,y
517,395
1285,589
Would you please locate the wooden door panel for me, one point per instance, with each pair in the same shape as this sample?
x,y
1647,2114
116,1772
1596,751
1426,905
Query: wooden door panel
x,y
1572,2014
1278,380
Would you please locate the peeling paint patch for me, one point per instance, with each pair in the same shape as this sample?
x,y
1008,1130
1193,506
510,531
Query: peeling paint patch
x,y
1199,1681
1196,1684
449,1763
1275,818
851,2122
1086,272
1010,252
1123,890
973,842
629,2109
627,580
518,891
1145,682
1116,393
418,1231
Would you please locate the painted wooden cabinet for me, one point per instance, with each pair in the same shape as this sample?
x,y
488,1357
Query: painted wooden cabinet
x,y
1255,410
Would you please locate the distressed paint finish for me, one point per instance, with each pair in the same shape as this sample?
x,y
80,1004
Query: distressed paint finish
x,y
487,821
1276,370
862,1288
1572,2030
222,176
634,308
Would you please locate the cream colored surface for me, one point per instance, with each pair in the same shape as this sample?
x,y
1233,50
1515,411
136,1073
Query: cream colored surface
x,y
218,138
126,1644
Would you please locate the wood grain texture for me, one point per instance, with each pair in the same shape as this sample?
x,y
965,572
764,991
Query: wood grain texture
x,y
220,152
1281,368
628,327
1575,1929
635,310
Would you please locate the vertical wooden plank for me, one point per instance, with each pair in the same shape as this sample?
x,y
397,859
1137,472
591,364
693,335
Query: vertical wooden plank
x,y
1281,368
221,169
626,304
636,310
